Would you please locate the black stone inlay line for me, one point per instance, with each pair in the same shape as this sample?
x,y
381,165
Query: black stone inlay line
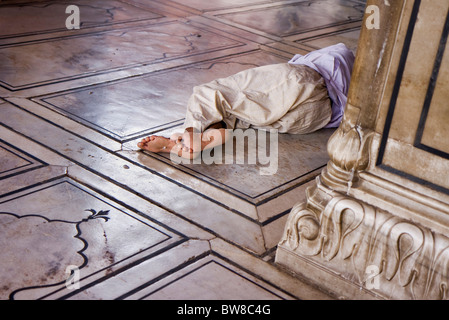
x,y
397,84
429,95
33,162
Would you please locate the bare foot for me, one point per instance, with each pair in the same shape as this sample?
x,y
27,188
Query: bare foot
x,y
156,144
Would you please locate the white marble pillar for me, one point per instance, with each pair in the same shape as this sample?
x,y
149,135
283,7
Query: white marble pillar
x,y
376,224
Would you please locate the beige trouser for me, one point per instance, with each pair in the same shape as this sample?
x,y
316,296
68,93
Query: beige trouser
x,y
289,98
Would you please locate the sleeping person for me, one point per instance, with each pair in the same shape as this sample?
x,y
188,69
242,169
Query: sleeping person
x,y
299,97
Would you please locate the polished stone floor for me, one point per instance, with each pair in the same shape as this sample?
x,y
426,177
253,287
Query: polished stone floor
x,y
83,213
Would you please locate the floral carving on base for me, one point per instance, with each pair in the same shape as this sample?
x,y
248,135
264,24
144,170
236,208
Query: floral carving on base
x,y
352,238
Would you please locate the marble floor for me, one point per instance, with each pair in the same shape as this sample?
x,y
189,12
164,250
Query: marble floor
x,y
83,213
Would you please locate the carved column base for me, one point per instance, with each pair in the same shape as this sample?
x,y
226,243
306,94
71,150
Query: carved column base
x,y
357,251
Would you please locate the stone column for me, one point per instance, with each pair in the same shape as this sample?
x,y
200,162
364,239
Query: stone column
x,y
376,224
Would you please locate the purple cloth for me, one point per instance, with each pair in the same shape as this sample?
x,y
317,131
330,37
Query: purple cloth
x,y
335,64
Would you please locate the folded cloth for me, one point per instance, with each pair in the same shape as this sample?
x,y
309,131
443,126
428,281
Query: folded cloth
x,y
334,64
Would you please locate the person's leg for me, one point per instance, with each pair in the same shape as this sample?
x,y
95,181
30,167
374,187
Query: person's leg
x,y
157,144
187,145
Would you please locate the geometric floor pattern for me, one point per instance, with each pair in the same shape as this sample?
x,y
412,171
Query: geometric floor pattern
x,y
83,213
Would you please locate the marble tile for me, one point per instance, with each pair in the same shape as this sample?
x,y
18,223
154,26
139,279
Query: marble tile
x,y
267,271
349,38
211,278
31,148
146,208
126,283
14,183
186,272
219,4
294,18
297,157
60,59
93,233
40,17
14,161
130,108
